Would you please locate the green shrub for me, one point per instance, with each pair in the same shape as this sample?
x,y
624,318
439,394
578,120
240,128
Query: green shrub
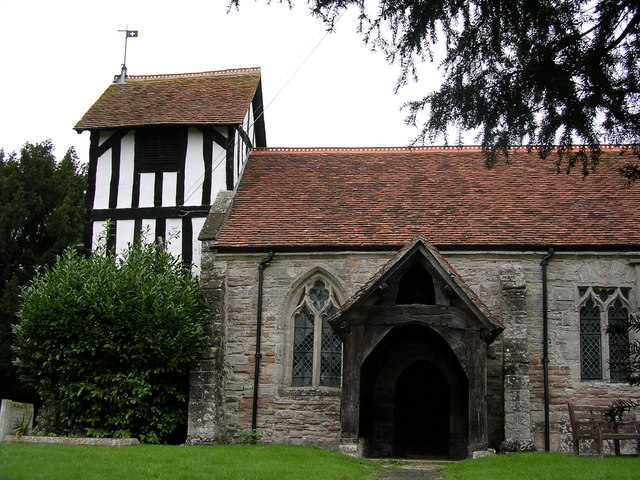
x,y
107,342
249,437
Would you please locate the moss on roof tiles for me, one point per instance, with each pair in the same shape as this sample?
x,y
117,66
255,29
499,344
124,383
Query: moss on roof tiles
x,y
210,98
385,198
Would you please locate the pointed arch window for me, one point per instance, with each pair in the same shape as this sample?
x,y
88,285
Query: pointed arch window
x,y
604,355
317,349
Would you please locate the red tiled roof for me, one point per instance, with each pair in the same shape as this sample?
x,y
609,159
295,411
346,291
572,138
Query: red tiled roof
x,y
362,198
208,98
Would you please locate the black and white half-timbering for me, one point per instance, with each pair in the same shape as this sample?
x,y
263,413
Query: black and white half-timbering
x,y
162,147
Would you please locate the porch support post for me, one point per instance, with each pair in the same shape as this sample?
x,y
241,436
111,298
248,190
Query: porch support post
x,y
477,374
350,406
350,401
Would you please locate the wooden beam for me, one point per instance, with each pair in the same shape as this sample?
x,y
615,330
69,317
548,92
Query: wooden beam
x,y
207,156
230,154
149,212
91,188
115,174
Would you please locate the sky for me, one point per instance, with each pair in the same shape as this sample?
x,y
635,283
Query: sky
x,y
320,90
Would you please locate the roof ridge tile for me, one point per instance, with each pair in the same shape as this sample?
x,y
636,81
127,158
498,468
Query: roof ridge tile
x,y
210,73
409,149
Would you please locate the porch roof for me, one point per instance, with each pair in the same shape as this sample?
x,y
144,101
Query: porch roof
x,y
421,246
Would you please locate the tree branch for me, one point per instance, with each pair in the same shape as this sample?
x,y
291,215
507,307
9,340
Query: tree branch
x,y
634,21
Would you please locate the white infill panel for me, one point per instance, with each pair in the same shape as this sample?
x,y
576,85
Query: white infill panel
x,y
219,176
169,182
250,127
174,236
147,183
194,168
98,232
124,235
125,186
196,245
103,181
242,150
147,235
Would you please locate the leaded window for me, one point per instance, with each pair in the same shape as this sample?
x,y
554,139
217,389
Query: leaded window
x,y
317,349
590,341
604,342
619,350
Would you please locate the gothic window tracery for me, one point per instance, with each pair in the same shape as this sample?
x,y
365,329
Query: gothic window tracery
x,y
317,349
604,355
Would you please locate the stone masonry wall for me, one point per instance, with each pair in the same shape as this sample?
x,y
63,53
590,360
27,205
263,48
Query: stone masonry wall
x,y
206,414
286,414
222,384
566,272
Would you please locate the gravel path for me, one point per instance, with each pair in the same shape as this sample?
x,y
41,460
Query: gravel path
x,y
414,475
416,471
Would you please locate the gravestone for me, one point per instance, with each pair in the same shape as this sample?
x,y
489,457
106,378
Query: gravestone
x,y
13,414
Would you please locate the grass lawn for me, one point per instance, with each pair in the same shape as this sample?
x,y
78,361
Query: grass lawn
x,y
545,466
278,462
146,462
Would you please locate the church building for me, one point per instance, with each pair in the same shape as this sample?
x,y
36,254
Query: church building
x,y
404,302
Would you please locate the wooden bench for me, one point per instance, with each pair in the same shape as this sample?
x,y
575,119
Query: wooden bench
x,y
589,422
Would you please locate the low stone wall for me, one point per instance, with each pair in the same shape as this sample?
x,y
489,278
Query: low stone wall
x,y
100,442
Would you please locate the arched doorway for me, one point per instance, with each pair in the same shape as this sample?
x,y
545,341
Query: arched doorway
x,y
413,397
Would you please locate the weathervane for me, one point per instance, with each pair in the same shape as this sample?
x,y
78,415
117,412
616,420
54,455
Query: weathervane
x,y
128,34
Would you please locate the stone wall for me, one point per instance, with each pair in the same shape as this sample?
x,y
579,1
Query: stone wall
x,y
222,388
566,273
206,421
523,328
508,282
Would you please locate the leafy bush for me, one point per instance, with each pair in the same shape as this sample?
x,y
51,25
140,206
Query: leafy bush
x,y
107,342
249,437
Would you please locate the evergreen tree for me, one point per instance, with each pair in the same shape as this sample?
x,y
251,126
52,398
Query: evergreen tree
x,y
535,72
41,213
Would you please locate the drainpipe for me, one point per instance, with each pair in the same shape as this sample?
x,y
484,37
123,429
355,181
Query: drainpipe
x,y
258,355
545,345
